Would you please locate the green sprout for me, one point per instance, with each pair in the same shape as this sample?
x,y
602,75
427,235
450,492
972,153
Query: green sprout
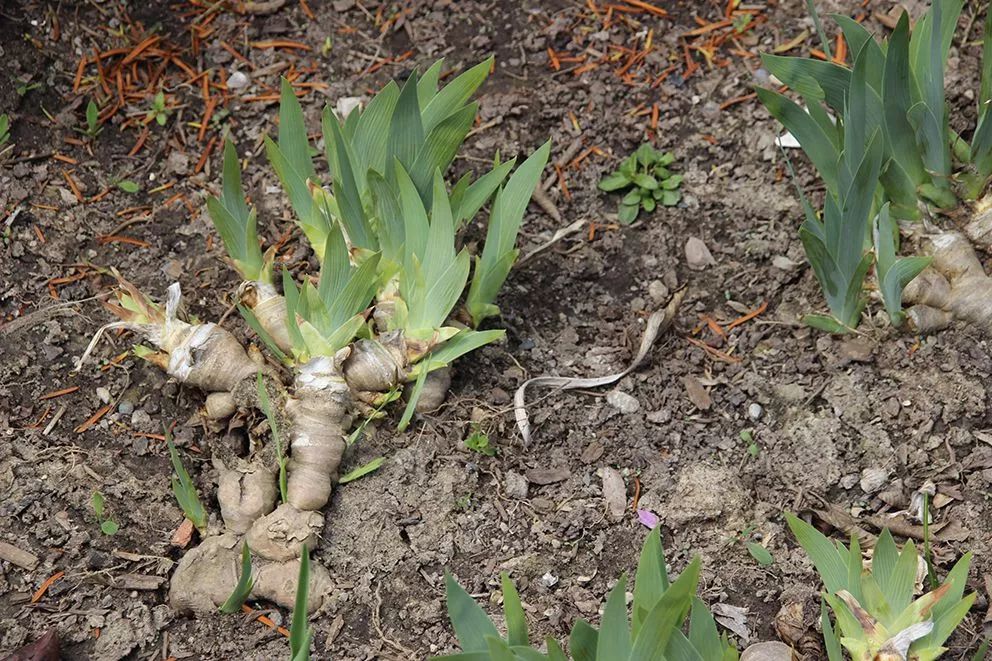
x,y
159,110
92,128
107,525
300,635
4,129
648,180
889,155
184,489
245,583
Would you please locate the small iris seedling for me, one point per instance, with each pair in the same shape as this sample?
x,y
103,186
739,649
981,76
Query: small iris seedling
x,y
300,635
647,181
878,134
184,490
243,589
4,129
107,525
874,610
660,611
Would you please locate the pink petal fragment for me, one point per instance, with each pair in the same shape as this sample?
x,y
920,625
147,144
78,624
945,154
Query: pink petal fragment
x,y
648,518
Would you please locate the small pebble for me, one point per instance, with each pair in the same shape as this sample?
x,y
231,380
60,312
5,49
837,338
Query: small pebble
x,y
516,485
549,580
755,411
658,291
237,80
697,255
125,407
623,402
527,345
141,419
104,395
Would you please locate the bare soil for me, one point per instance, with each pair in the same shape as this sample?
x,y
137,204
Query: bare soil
x,y
856,423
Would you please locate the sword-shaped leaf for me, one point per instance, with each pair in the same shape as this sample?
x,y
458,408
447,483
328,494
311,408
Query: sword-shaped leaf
x,y
499,253
455,94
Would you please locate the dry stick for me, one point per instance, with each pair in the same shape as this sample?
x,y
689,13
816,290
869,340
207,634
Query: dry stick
x,y
657,322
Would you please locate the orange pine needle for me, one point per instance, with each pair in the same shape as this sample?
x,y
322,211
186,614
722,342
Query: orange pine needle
x,y
840,50
709,27
748,317
205,155
73,186
40,592
140,142
306,10
737,99
93,419
77,81
716,353
38,233
65,159
205,122
651,9
280,43
113,238
59,393
264,620
147,43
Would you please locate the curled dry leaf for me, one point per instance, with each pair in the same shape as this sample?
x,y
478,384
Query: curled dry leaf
x,y
657,322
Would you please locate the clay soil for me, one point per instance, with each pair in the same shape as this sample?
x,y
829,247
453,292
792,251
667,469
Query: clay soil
x,y
718,432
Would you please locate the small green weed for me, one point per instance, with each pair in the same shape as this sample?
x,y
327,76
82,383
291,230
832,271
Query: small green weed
x,y
184,490
107,525
648,180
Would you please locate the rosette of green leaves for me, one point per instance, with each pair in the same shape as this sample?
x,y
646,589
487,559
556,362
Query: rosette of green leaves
x,y
647,181
874,611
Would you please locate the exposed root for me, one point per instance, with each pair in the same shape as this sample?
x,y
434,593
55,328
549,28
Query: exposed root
x,y
954,287
269,308
281,534
979,227
219,405
206,576
376,366
435,390
245,492
320,417
276,582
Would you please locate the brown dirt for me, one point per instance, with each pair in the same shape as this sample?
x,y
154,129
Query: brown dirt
x,y
830,408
